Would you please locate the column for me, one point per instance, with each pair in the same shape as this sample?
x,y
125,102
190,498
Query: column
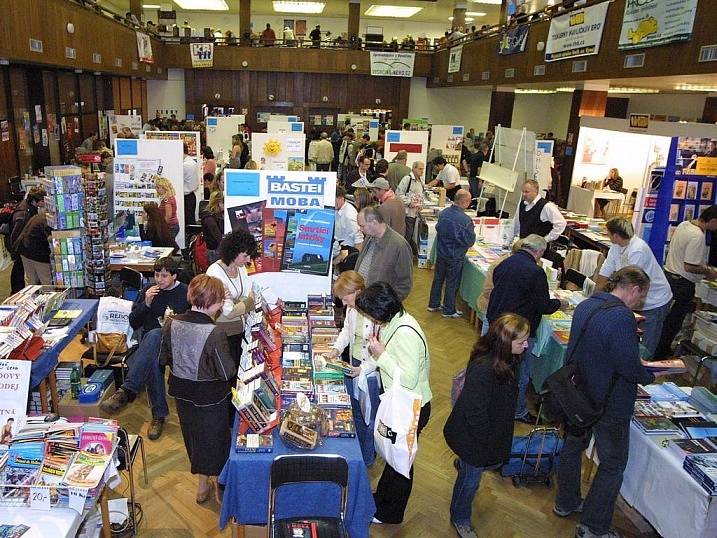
x,y
135,7
245,22
501,107
709,114
503,12
459,16
588,101
354,18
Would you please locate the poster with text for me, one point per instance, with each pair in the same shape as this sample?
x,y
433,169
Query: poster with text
x,y
202,54
279,151
144,48
649,24
448,139
15,384
392,64
577,33
414,143
454,59
513,40
124,126
312,244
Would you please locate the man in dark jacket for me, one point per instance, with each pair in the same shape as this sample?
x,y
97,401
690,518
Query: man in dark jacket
x,y
147,314
605,347
521,287
25,210
33,245
455,234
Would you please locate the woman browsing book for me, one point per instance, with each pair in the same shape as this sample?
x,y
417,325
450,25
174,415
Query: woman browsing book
x,y
201,374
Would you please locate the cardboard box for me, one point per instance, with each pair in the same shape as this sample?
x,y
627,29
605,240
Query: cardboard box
x,y
73,408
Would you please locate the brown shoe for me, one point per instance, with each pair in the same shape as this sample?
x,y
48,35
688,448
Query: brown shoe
x,y
203,496
115,403
155,429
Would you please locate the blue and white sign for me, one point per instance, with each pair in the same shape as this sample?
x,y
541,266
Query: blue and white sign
x,y
513,40
295,190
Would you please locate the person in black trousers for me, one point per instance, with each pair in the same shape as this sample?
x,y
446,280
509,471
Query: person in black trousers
x,y
24,211
480,427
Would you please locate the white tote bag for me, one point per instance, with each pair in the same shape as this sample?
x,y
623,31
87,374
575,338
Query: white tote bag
x,y
113,316
396,429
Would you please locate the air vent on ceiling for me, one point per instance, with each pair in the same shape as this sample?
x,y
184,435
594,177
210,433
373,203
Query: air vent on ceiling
x,y
70,53
96,58
634,60
580,66
466,77
35,45
708,53
539,70
485,75
510,72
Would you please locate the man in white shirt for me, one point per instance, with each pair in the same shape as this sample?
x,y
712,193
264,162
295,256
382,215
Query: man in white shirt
x,y
684,267
191,183
324,153
448,175
346,229
537,216
628,249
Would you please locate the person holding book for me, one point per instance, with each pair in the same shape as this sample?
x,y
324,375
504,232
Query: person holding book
x,y
202,371
399,346
604,346
480,427
362,382
236,250
155,303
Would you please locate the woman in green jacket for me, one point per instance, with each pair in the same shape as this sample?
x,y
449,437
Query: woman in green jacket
x,y
399,346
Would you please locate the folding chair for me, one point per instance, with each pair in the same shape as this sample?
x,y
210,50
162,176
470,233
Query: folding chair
x,y
292,469
131,283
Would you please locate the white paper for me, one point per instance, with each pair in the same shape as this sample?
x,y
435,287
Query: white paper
x,y
40,498
118,510
77,498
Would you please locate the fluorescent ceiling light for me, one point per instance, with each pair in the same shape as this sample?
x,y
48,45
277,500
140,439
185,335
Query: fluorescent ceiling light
x,y
695,88
475,14
533,90
203,5
298,7
151,6
491,2
467,19
632,90
398,12
565,89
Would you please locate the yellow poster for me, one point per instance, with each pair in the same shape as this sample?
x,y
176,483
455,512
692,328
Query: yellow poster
x,y
706,166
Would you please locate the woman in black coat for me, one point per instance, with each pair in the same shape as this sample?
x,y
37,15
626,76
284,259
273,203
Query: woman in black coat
x,y
480,427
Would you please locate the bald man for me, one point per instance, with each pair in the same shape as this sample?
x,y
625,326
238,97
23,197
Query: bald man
x,y
455,234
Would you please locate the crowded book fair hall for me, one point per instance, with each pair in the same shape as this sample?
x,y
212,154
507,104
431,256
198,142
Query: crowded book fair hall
x,y
344,268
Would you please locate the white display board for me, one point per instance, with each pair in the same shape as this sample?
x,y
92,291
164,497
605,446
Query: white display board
x,y
220,130
448,139
415,143
284,127
543,162
125,125
137,163
279,151
514,149
281,210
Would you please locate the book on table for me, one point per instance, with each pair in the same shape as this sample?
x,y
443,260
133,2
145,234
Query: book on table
x,y
656,425
703,468
684,447
86,470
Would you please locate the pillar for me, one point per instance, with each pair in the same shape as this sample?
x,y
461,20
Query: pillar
x,y
354,18
586,102
501,108
459,16
503,12
709,114
135,8
245,22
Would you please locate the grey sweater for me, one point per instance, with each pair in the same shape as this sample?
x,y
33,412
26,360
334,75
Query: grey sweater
x,y
392,262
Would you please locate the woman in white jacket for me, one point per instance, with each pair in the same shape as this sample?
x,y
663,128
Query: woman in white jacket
x,y
363,382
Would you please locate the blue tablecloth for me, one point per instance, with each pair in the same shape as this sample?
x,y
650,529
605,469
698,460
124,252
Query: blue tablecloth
x,y
47,362
246,493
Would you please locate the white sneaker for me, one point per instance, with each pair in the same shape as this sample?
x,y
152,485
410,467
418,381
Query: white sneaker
x,y
430,309
456,314
465,531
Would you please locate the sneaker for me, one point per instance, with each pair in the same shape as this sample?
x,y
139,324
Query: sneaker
x,y
528,418
465,530
155,429
582,531
377,521
432,309
565,513
116,402
456,314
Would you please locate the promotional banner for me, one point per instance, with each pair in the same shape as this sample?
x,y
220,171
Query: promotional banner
x,y
124,126
392,64
648,24
448,139
577,33
285,127
15,383
513,40
202,54
415,143
454,59
144,48
279,151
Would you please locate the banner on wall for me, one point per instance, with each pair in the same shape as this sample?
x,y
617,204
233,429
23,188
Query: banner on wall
x,y
513,40
414,143
649,24
577,33
454,59
279,151
144,48
202,54
448,139
124,126
392,64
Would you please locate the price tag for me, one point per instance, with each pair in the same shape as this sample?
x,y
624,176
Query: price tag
x,y
40,498
77,499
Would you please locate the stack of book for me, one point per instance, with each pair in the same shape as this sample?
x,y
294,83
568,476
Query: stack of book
x,y
256,402
704,399
703,468
294,380
685,447
667,391
294,326
340,423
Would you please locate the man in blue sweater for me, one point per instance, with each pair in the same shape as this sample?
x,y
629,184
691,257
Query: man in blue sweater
x,y
521,287
605,346
154,302
455,234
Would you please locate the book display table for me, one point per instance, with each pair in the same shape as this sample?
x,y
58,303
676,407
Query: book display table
x,y
657,486
246,493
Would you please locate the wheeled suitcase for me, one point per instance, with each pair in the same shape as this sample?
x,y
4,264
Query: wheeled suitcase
x,y
533,457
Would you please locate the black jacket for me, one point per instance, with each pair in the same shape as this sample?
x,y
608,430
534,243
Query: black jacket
x,y
480,427
34,239
213,229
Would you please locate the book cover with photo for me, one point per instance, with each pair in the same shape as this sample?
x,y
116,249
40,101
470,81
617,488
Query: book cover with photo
x,y
314,236
249,217
274,223
86,470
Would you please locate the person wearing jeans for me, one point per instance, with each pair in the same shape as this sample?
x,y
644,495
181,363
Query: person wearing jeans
x,y
455,234
480,427
526,365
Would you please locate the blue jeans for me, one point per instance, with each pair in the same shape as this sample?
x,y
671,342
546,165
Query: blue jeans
x,y
464,491
144,369
526,364
364,432
447,271
652,326
612,440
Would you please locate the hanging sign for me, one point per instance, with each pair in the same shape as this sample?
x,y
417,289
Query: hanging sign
x,y
577,33
392,64
648,24
202,54
144,48
454,59
513,40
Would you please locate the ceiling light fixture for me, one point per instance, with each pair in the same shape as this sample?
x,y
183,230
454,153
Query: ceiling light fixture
x,y
467,19
695,88
632,90
475,14
565,89
533,90
151,6
282,6
202,5
393,12
491,2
